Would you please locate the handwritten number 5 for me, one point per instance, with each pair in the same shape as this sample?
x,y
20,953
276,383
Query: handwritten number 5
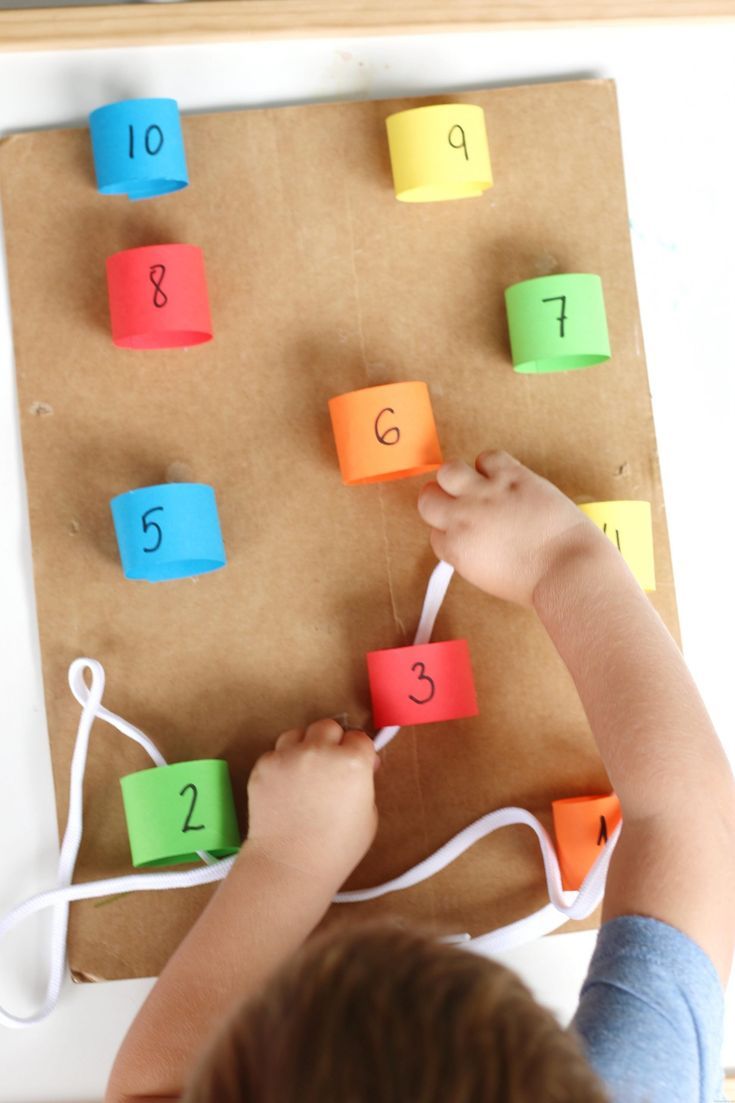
x,y
152,525
423,677
563,316
188,825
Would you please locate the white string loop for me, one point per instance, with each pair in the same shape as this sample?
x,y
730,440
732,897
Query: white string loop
x,y
563,905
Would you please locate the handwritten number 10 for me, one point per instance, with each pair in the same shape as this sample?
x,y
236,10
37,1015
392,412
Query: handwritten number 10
x,y
188,825
562,317
423,677
152,141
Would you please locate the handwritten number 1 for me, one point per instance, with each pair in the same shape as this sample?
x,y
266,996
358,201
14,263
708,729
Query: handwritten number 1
x,y
423,677
602,837
562,317
188,825
462,144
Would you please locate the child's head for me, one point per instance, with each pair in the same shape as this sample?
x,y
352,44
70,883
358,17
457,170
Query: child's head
x,y
381,1015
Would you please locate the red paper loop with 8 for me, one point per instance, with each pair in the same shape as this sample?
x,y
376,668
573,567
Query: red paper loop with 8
x,y
422,684
158,297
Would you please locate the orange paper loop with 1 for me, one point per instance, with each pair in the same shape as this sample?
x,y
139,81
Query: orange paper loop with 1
x,y
158,297
582,826
421,684
385,432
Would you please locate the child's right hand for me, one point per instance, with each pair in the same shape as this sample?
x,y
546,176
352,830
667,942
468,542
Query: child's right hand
x,y
501,526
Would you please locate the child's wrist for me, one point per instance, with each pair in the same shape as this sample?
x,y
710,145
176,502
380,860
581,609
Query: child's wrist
x,y
584,556
286,868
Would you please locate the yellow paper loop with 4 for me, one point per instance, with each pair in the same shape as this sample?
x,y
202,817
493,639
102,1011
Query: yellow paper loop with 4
x,y
628,525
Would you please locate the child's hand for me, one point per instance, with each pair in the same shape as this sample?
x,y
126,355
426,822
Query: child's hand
x,y
312,801
502,526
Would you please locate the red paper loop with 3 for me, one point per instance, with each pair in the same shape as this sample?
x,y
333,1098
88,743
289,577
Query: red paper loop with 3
x,y
422,684
158,297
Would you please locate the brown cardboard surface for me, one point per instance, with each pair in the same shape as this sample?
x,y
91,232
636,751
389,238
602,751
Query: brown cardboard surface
x,y
320,282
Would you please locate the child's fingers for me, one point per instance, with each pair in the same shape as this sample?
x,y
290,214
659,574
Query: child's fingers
x,y
361,743
435,506
439,544
492,463
324,732
457,478
289,738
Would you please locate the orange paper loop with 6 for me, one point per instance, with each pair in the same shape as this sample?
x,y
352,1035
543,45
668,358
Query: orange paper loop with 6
x,y
385,432
582,826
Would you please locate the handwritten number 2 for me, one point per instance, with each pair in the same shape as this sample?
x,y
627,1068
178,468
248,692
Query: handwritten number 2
x,y
152,525
458,131
156,274
188,825
152,140
563,316
423,677
383,435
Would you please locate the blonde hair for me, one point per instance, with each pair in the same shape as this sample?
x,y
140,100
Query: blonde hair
x,y
383,1015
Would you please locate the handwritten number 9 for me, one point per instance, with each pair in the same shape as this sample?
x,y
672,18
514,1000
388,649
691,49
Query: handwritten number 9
x,y
188,825
458,130
423,677
562,316
382,437
152,140
152,525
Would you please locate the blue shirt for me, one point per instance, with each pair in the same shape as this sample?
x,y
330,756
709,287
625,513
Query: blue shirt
x,y
651,1014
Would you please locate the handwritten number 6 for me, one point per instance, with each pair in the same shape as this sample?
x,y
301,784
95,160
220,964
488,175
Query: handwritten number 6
x,y
188,825
423,677
383,437
152,525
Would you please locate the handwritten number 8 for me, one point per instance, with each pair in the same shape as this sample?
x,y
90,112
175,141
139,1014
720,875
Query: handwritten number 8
x,y
153,137
423,677
383,437
152,525
188,825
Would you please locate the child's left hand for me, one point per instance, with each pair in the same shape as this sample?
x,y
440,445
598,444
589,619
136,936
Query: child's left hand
x,y
312,801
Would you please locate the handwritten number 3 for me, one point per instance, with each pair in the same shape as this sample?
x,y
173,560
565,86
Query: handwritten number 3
x,y
423,677
188,825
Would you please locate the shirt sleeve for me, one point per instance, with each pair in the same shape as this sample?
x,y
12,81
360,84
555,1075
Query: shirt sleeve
x,y
651,1013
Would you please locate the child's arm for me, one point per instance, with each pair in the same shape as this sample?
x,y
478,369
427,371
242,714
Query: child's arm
x,y
312,817
516,536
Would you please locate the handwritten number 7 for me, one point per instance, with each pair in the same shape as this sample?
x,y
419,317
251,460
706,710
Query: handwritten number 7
x,y
152,525
423,677
188,825
562,317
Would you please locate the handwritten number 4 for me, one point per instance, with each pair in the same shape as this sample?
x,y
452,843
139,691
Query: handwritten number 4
x,y
562,316
602,837
423,677
617,535
188,825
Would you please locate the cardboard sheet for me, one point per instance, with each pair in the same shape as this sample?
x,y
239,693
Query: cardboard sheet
x,y
320,283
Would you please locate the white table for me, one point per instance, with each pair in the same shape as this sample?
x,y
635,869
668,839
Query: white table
x,y
676,86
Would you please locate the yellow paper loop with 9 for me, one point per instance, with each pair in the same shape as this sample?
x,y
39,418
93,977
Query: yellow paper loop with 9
x,y
628,525
439,152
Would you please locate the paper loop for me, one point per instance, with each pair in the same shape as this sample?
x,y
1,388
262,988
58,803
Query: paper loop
x,y
628,524
422,684
158,297
582,826
386,432
168,531
138,148
557,323
439,152
173,812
